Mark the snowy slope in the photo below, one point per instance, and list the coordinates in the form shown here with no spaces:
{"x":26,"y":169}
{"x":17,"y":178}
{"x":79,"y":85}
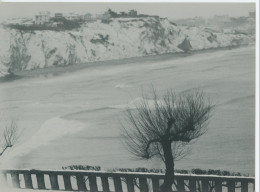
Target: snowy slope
{"x":121,"y":38}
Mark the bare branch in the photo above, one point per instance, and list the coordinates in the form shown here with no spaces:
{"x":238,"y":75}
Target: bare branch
{"x":178,"y":118}
{"x":9,"y":136}
{"x":166,"y":126}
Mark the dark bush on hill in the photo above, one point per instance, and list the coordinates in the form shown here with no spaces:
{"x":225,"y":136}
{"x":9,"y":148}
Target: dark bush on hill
{"x":62,"y":25}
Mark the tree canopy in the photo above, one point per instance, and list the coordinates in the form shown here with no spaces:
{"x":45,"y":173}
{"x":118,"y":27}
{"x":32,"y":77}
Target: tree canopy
{"x":164,"y":127}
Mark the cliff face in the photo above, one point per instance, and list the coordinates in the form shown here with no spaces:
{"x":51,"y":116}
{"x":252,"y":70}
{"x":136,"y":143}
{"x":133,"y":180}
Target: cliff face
{"x":121,"y":38}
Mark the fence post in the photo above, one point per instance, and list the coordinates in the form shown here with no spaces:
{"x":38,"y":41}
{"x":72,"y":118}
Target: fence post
{"x":93,"y":183}
{"x":117,"y":184}
{"x":156,"y":186}
{"x":143,"y":184}
{"x":218,"y":185}
{"x":28,"y":180}
{"x":205,"y":185}
{"x":192,"y":185}
{"x":67,"y":182}
{"x":180,"y":185}
{"x":15,"y":180}
{"x":54,"y":181}
{"x":81,"y":183}
{"x":105,"y":184}
{"x":40,"y":181}
{"x":130,"y":184}
{"x":244,"y":186}
{"x":231,"y":186}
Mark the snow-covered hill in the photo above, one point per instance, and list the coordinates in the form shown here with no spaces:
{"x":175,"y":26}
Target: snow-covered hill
{"x":96,"y":41}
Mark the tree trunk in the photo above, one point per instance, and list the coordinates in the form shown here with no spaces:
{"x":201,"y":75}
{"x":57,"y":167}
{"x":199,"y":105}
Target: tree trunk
{"x":169,"y":164}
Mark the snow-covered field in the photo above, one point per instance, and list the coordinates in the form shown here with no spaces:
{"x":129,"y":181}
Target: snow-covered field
{"x":74,"y":118}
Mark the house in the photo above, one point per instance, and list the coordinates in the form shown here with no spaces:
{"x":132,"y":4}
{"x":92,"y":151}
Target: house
{"x":42,"y":18}
{"x":74,"y":17}
{"x":58,"y":15}
{"x":88,"y":17}
{"x":71,"y":17}
{"x":132,"y":13}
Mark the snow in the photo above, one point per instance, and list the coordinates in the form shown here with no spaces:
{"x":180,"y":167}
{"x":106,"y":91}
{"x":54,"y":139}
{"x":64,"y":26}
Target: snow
{"x":52,"y":129}
{"x":127,"y":37}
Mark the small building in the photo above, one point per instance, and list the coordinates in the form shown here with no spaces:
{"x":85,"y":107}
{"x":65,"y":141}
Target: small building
{"x":88,"y":17}
{"x":74,"y":17}
{"x":58,"y":15}
{"x":71,"y":17}
{"x":132,"y":13}
{"x":42,"y":18}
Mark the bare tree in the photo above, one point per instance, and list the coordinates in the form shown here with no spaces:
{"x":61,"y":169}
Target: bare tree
{"x":9,"y":136}
{"x":165,"y":127}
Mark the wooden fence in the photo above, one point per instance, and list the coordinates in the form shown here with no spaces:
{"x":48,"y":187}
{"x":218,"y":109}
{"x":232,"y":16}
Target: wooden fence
{"x":95,"y":181}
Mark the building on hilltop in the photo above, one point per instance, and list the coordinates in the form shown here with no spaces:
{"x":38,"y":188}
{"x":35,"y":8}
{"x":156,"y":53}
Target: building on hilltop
{"x":42,"y":18}
{"x":132,"y":13}
{"x":58,"y":15}
{"x":88,"y":17}
{"x":74,"y":17}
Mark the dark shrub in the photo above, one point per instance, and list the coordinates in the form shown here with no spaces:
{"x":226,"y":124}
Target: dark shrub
{"x":199,"y":171}
{"x":225,"y":173}
{"x":82,"y":167}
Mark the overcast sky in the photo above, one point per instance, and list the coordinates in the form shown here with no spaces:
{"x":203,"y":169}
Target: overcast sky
{"x":170,"y":10}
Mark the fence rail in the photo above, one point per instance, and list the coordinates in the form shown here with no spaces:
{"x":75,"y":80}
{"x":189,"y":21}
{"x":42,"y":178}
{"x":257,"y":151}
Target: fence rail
{"x":95,"y":181}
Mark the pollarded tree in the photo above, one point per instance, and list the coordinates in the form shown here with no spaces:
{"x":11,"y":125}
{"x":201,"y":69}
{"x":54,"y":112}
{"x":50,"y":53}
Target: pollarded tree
{"x":165,"y":127}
